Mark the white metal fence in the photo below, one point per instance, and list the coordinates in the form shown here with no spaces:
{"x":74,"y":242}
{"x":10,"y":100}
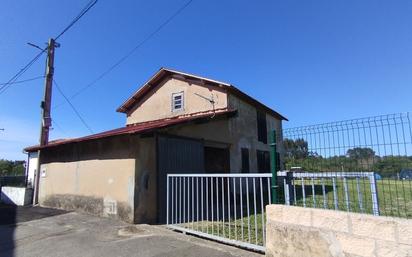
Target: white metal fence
{"x":224,"y":207}
{"x":231,"y":207}
{"x":348,"y":191}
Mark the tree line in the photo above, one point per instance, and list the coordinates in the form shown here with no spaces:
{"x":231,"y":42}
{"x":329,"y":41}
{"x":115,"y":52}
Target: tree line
{"x":12,"y":168}
{"x":297,"y":154}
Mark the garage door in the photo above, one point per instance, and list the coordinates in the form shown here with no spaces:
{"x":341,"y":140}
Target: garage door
{"x":176,"y":155}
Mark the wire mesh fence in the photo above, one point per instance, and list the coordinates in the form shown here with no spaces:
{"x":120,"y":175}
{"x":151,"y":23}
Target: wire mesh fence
{"x":380,"y":145}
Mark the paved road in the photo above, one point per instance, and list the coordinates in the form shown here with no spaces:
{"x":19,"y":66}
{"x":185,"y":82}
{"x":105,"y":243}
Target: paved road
{"x":74,"y":234}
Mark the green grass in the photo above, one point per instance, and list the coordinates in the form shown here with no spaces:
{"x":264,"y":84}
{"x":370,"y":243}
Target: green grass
{"x":394,"y":196}
{"x":252,"y":232}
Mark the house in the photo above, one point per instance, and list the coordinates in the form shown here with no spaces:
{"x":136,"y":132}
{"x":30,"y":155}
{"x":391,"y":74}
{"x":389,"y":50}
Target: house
{"x":175,"y":123}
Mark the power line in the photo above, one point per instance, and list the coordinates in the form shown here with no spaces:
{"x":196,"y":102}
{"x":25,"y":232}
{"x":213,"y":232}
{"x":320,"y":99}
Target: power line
{"x":122,"y":59}
{"x":72,"y":106}
{"x":6,"y":85}
{"x":18,"y":74}
{"x":59,"y":127}
{"x":23,"y":81}
{"x":78,"y":17}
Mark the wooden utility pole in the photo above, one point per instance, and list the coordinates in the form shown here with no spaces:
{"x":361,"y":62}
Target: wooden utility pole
{"x":46,"y":112}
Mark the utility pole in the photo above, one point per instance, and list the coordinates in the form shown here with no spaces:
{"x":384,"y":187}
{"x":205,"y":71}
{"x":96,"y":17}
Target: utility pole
{"x":46,"y":112}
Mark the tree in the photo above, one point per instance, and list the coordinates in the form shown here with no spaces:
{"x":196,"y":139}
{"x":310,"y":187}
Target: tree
{"x":8,"y":168}
{"x":296,"y":149}
{"x":359,"y":153}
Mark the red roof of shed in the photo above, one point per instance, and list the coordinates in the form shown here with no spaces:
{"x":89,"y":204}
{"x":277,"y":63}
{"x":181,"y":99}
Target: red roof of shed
{"x":135,"y":128}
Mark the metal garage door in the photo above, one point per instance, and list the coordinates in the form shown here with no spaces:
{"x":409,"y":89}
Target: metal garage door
{"x":176,"y":155}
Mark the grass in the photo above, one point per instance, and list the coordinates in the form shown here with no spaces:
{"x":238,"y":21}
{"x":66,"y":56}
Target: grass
{"x":251,"y":231}
{"x":394,"y":196}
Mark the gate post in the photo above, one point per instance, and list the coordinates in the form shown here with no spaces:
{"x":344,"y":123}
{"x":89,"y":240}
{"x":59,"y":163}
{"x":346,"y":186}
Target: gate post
{"x":273,"y":162}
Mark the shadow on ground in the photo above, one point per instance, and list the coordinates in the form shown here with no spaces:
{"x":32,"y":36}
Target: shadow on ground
{"x":10,"y":215}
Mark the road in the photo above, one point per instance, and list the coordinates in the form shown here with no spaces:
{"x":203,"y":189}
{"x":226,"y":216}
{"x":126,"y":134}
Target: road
{"x":47,"y":232}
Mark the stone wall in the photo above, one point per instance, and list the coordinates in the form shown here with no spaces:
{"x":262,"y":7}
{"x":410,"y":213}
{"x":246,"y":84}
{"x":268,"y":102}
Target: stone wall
{"x":296,"y":231}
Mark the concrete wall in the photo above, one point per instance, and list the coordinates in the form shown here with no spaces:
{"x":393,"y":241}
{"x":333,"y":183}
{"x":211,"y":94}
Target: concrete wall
{"x":145,"y":198}
{"x":243,"y":131}
{"x":16,"y":195}
{"x":158,"y":103}
{"x":31,"y":168}
{"x":97,"y":177}
{"x":296,"y":231}
{"x":236,"y":132}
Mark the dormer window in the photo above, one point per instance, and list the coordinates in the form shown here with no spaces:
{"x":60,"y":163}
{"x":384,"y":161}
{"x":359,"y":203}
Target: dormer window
{"x":177,"y":102}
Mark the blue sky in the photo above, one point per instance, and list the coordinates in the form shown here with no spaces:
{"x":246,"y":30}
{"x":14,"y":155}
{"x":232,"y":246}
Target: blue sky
{"x":312,"y":61}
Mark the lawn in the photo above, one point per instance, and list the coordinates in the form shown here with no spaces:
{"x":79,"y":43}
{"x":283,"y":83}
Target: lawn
{"x":394,"y":196}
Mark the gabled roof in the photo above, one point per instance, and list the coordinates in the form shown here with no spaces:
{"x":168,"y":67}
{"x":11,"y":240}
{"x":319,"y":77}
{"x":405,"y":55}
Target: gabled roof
{"x":137,"y":128}
{"x":164,"y":73}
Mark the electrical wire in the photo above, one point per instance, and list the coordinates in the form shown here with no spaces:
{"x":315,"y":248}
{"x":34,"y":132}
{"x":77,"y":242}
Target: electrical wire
{"x":128,"y":54}
{"x":26,"y":80}
{"x":78,"y":17}
{"x":6,"y":85}
{"x":72,"y":106}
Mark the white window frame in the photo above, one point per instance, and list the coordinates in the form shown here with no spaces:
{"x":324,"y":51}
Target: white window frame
{"x":181,"y":104}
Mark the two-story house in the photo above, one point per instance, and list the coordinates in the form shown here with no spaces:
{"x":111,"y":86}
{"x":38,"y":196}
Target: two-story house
{"x":176,"y":123}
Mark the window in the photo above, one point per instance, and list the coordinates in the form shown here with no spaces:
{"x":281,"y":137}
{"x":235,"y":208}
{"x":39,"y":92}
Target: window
{"x":263,"y":161}
{"x":177,"y":102}
{"x":261,"y":126}
{"x":245,"y":160}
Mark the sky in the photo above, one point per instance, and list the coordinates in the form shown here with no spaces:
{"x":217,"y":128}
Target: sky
{"x":312,"y":61}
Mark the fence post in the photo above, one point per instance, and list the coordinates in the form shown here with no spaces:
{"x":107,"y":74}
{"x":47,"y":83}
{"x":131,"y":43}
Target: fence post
{"x":273,"y":162}
{"x":374,"y":193}
{"x":289,"y":195}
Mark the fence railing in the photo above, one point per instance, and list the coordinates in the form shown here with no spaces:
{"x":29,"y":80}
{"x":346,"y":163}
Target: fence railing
{"x":347,"y":191}
{"x":381,"y":145}
{"x":224,"y":207}
{"x":19,"y":181}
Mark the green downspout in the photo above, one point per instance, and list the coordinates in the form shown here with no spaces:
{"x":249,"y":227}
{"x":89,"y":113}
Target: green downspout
{"x":273,"y":166}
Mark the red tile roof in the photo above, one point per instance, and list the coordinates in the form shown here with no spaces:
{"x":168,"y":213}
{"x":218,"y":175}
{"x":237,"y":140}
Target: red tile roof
{"x":137,"y":128}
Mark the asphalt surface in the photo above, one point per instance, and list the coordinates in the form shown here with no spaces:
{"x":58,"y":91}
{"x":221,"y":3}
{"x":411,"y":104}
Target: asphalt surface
{"x":10,"y":214}
{"x":48,"y":232}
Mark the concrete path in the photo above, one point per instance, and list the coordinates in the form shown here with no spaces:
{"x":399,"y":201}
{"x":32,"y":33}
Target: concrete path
{"x":73,"y":234}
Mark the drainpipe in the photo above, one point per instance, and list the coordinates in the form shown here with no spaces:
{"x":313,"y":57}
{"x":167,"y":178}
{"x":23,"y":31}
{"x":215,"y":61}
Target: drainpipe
{"x":273,"y":165}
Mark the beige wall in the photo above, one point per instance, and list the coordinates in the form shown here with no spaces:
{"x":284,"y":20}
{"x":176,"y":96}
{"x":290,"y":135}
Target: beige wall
{"x":236,"y":132}
{"x":145,"y":202}
{"x":243,"y":130}
{"x":296,"y":231}
{"x":95,"y":177}
{"x":157,"y":104}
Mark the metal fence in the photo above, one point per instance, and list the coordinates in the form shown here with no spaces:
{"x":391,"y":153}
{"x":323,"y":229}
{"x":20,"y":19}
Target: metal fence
{"x":226,"y":207}
{"x":19,"y":181}
{"x":348,"y":191}
{"x":380,"y":145}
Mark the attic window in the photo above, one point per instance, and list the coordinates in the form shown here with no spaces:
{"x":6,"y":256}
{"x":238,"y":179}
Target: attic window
{"x":177,"y":102}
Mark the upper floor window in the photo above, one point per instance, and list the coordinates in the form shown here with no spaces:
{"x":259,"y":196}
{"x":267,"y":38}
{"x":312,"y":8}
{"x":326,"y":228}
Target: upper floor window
{"x":177,"y":102}
{"x":261,"y":127}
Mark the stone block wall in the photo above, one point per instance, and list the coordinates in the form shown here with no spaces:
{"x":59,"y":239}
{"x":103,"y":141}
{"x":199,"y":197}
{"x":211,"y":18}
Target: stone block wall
{"x":296,"y":231}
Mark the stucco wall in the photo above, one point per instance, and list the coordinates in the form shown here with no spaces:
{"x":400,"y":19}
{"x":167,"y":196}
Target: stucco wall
{"x":145,"y":201}
{"x":296,"y":231}
{"x":96,"y":177}
{"x":243,"y":130}
{"x":157,"y":104}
